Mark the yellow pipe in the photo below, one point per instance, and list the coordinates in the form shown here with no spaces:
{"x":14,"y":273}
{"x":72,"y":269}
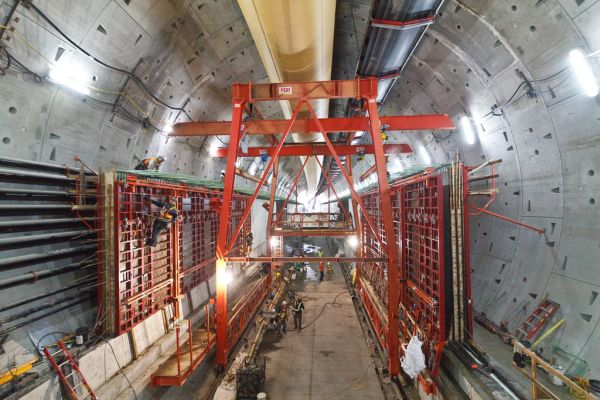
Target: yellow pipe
{"x":14,"y":372}
{"x":549,"y":331}
{"x":295,"y":41}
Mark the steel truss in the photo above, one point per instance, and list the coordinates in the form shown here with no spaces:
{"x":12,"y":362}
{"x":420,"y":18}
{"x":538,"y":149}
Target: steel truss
{"x":300,"y":94}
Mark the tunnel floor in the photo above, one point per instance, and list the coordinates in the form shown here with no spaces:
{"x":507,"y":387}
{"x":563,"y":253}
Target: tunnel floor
{"x":329,"y":357}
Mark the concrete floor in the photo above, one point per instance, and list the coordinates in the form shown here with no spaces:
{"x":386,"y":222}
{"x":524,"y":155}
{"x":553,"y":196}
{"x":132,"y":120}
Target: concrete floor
{"x":329,"y":357}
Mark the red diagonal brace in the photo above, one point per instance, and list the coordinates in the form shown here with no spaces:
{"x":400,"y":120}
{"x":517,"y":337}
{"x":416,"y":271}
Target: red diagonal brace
{"x":345,"y":173}
{"x":264,"y":175}
{"x":317,"y":149}
{"x":296,"y":179}
{"x":330,"y":184}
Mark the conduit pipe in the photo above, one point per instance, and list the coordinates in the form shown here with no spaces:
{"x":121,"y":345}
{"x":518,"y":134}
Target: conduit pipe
{"x":31,"y":277}
{"x":295,"y":42}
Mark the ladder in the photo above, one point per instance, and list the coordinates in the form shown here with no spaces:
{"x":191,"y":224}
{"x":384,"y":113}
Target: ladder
{"x":277,"y":249}
{"x":536,"y":320}
{"x":73,"y":382}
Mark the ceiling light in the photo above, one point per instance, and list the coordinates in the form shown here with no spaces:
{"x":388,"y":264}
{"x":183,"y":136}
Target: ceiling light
{"x":70,"y":76}
{"x":583,"y":72}
{"x":425,"y":155}
{"x":274,"y":241}
{"x":467,"y":128}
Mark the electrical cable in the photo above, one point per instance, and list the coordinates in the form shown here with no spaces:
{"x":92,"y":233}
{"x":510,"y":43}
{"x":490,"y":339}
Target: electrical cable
{"x":121,"y":369}
{"x":333,"y":304}
{"x":134,"y":77}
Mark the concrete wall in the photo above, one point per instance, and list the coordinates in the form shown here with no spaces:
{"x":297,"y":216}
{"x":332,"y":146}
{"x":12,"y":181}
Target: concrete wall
{"x":549,"y":175}
{"x":189,"y":55}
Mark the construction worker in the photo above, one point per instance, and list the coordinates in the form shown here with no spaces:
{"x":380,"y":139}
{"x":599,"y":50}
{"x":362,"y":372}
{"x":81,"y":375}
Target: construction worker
{"x":282,"y":318}
{"x":329,"y":271}
{"x":297,"y":308}
{"x":322,"y":271}
{"x":249,"y":239}
{"x":168,"y":215}
{"x":150,"y":163}
{"x":222,"y":175}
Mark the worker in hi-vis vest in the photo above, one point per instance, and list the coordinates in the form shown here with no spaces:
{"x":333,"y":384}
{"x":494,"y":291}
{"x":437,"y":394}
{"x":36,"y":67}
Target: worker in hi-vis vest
{"x":168,"y":215}
{"x":150,"y":163}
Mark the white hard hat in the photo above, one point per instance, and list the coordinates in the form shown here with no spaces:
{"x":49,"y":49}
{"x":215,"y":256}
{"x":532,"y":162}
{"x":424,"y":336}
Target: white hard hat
{"x":284,"y":303}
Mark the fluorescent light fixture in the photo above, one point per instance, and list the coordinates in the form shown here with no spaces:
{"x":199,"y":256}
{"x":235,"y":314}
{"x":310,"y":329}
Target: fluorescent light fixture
{"x":583,"y":72}
{"x":71,"y":77}
{"x":168,"y":129}
{"x":467,"y":128}
{"x":359,"y":134}
{"x":274,"y":241}
{"x":425,"y":155}
{"x":353,"y":241}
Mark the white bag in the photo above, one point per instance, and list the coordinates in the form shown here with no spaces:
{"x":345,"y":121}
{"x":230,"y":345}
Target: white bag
{"x":413,"y":361}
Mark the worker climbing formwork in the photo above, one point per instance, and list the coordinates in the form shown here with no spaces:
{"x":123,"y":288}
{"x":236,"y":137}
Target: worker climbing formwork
{"x":168,"y":214}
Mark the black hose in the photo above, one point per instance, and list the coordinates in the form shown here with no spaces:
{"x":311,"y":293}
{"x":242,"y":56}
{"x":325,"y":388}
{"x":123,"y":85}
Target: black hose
{"x":30,"y":4}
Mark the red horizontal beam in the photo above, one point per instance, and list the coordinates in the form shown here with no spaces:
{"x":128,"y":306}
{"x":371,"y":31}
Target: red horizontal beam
{"x":341,"y":89}
{"x":313,"y":232}
{"x":293,"y":150}
{"x":401,"y":25}
{"x":306,"y":259}
{"x":308,"y":126}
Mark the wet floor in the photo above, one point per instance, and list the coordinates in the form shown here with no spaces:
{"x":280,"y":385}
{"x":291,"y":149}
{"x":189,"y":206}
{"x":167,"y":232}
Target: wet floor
{"x":329,"y":357}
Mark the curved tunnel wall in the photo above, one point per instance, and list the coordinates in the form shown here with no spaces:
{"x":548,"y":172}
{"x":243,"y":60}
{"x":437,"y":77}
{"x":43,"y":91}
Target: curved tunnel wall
{"x":550,"y":172}
{"x":466,"y":63}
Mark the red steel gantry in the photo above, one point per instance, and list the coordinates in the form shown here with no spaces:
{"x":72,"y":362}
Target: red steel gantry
{"x":301,"y":93}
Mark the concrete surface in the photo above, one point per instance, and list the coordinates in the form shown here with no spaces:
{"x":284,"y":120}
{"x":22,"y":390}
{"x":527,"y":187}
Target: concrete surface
{"x":329,"y":357}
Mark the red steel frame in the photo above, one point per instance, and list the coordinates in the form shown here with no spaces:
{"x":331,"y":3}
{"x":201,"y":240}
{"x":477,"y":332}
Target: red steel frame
{"x":148,"y":279}
{"x":302,"y":92}
{"x":299,"y":93}
{"x":423,"y":294}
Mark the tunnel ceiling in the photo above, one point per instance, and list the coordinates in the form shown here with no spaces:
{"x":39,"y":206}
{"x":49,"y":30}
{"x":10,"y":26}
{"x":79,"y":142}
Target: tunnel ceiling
{"x":476,"y":56}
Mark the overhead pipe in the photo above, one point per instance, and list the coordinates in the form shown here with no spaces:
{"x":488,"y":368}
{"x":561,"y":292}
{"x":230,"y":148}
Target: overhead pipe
{"x":38,"y":258}
{"x":32,"y":276}
{"x":47,"y":305}
{"x":33,"y":240}
{"x":39,"y":224}
{"x":46,"y":315}
{"x":295,"y":42}
{"x":19,"y":303}
{"x":38,"y":166}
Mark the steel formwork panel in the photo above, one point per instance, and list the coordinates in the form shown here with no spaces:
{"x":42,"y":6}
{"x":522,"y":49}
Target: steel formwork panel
{"x":148,"y":279}
{"x":418,"y":217}
{"x":423,"y":295}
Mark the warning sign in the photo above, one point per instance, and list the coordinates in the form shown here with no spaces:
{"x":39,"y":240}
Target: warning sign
{"x":285,"y":90}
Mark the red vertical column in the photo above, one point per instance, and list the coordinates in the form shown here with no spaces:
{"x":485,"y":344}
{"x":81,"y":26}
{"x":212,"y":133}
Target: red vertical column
{"x":232,"y":151}
{"x":390,"y":237}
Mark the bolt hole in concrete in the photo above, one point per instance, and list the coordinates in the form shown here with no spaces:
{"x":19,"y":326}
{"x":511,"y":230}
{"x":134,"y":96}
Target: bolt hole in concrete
{"x":6,"y":140}
{"x":592,"y":201}
{"x":532,"y":28}
{"x":591,"y":172}
{"x":12,"y":110}
{"x":514,"y":8}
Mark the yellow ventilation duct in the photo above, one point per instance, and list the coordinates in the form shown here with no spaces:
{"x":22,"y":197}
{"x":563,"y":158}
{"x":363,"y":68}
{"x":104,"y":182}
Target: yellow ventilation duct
{"x":295,"y":42}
